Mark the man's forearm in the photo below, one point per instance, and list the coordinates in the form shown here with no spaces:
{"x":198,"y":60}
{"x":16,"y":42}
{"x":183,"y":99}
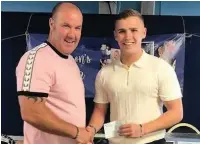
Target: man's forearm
{"x":166,"y":120}
{"x":97,"y":119}
{"x":47,"y":121}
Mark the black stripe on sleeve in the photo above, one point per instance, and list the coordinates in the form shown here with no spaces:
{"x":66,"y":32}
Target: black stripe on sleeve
{"x":33,"y":94}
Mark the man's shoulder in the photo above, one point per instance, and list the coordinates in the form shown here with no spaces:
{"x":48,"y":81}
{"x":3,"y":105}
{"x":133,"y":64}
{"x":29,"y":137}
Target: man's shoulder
{"x":38,"y":50}
{"x":153,"y":59}
{"x":34,"y":54}
{"x":164,"y":64}
{"x":106,"y":70}
{"x":35,"y":61}
{"x":108,"y":67}
{"x":164,"y":68}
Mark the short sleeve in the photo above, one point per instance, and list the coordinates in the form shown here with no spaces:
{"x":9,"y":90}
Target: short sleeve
{"x":101,"y":95}
{"x":34,"y":75}
{"x":169,"y":87}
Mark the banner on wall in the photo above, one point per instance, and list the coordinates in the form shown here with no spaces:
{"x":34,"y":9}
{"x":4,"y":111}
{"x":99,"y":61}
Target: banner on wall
{"x":93,"y":52}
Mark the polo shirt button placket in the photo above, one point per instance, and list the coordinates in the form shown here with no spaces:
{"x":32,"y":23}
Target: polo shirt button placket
{"x":128,"y":70}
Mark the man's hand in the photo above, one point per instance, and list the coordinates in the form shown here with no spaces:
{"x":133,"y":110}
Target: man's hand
{"x":92,"y":132}
{"x":130,"y":130}
{"x":83,"y":136}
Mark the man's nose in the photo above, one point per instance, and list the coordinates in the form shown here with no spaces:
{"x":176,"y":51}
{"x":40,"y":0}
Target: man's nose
{"x":128,"y":35}
{"x":71,"y":33}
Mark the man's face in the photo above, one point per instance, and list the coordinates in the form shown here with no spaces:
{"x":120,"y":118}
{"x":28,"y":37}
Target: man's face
{"x":65,"y":30}
{"x":129,"y":33}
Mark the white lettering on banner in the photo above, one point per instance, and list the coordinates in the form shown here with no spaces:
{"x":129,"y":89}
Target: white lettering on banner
{"x":82,"y":75}
{"x":83,"y":59}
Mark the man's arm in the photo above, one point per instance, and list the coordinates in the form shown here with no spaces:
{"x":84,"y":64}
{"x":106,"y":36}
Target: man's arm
{"x":170,"y":93}
{"x":35,"y":78}
{"x":173,"y":115}
{"x":98,"y":116}
{"x":101,"y":105}
{"x":35,"y":112}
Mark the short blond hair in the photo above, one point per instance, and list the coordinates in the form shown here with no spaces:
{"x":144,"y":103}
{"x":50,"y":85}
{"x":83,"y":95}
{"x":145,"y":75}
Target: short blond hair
{"x":128,"y":13}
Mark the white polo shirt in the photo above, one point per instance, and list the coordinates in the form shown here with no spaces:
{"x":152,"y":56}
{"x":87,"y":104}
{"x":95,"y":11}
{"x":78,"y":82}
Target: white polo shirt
{"x":136,"y":93}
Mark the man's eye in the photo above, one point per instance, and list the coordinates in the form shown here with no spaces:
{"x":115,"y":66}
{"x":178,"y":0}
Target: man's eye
{"x":66,"y":26}
{"x":121,"y":31}
{"x":133,"y":30}
{"x":78,"y":28}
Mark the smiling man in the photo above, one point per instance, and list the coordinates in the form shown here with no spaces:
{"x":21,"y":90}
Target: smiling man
{"x":50,"y":88}
{"x":136,"y":86}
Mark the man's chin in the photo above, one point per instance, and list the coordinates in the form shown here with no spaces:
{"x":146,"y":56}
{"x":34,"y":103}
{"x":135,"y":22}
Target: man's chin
{"x":71,"y":50}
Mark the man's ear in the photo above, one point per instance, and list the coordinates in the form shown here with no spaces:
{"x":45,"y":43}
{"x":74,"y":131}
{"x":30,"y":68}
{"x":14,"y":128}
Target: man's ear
{"x":144,"y":33}
{"x":115,"y":35}
{"x":51,"y":22}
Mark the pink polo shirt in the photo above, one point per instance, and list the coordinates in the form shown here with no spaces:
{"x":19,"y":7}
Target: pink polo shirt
{"x":44,"y":71}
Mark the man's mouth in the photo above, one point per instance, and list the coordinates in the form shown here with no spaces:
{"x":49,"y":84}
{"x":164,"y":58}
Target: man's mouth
{"x":69,"y":41}
{"x":128,"y":43}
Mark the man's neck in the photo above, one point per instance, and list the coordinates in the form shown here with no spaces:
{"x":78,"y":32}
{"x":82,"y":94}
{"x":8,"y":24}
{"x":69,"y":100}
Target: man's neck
{"x":129,"y":59}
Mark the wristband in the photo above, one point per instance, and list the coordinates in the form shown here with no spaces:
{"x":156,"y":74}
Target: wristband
{"x":95,"y":130}
{"x":77,"y":132}
{"x":141,"y":131}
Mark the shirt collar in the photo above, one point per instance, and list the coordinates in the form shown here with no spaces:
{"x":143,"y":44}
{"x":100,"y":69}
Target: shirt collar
{"x":142,"y":60}
{"x":56,"y":51}
{"x":139,"y":63}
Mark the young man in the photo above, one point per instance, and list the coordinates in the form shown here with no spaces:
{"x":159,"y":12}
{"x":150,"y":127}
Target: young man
{"x":136,"y":86}
{"x":49,"y":85}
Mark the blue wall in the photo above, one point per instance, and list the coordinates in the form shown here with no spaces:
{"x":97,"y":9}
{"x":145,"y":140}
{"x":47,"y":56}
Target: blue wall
{"x":128,"y":4}
{"x":179,"y":8}
{"x":45,"y":6}
{"x":183,"y":8}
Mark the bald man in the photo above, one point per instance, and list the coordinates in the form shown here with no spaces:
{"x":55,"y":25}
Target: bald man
{"x":49,"y":85}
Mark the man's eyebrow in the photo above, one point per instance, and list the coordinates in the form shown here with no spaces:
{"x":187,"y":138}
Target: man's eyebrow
{"x":122,"y":29}
{"x":133,"y":28}
{"x":66,"y":24}
{"x":80,"y":26}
